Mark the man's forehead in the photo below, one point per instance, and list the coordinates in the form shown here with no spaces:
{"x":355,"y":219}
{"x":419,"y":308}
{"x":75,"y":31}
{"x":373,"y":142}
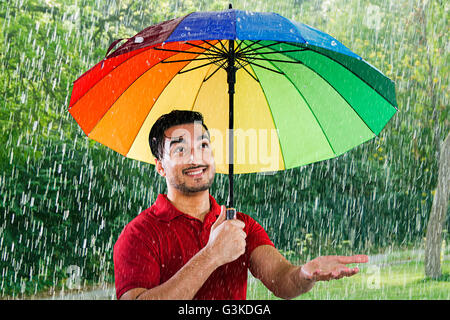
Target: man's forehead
{"x":185,"y":132}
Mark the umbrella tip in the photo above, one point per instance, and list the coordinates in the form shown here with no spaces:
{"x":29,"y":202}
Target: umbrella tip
{"x":230,"y":6}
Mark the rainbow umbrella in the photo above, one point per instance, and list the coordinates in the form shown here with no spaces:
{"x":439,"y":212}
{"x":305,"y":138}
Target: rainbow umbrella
{"x":294,"y":93}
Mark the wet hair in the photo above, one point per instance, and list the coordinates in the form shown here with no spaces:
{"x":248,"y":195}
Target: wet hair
{"x":166,"y":121}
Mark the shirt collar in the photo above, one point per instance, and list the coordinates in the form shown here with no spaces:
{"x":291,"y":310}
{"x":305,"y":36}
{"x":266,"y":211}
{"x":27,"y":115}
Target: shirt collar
{"x":164,"y":210}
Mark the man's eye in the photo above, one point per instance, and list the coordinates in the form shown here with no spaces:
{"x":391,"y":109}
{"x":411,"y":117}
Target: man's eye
{"x":205,"y":145}
{"x":179,"y":150}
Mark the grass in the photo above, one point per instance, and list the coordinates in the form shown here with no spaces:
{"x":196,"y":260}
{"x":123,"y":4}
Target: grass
{"x":389,"y":279}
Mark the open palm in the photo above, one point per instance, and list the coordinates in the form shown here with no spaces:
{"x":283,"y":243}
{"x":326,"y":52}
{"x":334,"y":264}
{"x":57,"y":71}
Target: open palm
{"x":331,"y":267}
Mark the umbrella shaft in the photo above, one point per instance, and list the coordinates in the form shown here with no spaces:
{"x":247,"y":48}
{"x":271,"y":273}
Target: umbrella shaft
{"x":231,"y":79}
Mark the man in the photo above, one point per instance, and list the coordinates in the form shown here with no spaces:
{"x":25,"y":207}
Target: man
{"x":183,"y":247}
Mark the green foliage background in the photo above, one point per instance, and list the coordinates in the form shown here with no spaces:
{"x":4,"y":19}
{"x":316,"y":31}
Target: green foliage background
{"x":64,"y":199}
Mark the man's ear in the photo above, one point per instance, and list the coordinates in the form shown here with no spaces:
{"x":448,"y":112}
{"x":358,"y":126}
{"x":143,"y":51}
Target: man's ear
{"x":159,"y":168}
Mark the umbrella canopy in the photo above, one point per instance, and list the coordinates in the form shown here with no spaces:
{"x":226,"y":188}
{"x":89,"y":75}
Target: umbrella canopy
{"x":295,"y":94}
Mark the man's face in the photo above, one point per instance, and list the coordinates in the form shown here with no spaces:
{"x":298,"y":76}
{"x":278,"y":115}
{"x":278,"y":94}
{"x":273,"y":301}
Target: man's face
{"x":187,"y":161}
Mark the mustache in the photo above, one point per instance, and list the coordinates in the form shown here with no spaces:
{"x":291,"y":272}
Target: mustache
{"x":195,"y":167}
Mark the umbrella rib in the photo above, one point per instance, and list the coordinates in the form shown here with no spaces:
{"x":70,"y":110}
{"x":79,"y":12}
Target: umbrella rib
{"x":203,"y":65}
{"x":218,"y":68}
{"x":258,"y":65}
{"x":185,"y":60}
{"x":225,"y":49}
{"x":274,"y":52}
{"x":275,"y":60}
{"x":243,"y":67}
{"x":199,"y":88}
{"x":247,"y":48}
{"x":189,"y":52}
{"x":207,"y":49}
{"x":196,"y":45}
{"x":255,"y":52}
{"x":262,"y":47}
{"x":213,"y":45}
{"x":238,"y":47}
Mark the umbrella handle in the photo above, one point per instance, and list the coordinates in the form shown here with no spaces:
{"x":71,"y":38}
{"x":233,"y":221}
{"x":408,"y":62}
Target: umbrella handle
{"x":231,"y":213}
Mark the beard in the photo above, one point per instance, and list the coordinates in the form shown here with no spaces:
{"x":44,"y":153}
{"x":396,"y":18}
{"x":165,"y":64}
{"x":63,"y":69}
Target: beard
{"x":186,"y":189}
{"x":181,"y":185}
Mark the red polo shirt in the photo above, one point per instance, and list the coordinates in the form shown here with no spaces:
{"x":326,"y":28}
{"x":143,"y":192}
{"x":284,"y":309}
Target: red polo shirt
{"x":161,"y":239}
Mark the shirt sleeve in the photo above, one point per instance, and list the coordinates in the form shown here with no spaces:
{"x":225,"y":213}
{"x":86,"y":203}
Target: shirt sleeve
{"x":256,"y":235}
{"x":136,"y":261}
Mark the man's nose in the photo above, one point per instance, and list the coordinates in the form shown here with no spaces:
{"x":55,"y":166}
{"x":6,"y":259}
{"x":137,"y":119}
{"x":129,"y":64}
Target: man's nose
{"x":195,"y":156}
